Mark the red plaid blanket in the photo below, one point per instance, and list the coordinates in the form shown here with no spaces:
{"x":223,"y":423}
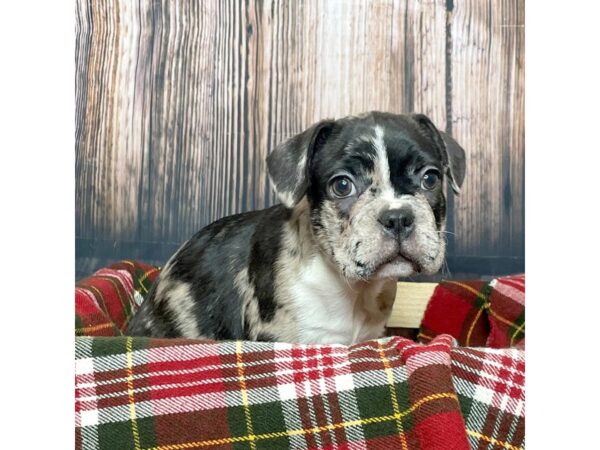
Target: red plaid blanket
{"x":106,"y":301}
{"x":477,"y":313}
{"x":142,"y":393}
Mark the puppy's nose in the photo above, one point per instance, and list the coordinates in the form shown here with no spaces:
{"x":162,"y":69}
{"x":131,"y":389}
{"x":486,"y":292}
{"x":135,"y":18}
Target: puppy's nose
{"x":398,"y":223}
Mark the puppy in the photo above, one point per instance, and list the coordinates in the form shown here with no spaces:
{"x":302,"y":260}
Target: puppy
{"x":362,"y":205}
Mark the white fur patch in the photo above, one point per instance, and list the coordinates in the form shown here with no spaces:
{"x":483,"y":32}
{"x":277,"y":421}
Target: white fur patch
{"x":181,"y":305}
{"x":285,"y":197}
{"x":331,"y":310}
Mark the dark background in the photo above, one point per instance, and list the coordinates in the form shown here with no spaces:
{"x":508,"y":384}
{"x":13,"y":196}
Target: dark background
{"x":179,"y":102}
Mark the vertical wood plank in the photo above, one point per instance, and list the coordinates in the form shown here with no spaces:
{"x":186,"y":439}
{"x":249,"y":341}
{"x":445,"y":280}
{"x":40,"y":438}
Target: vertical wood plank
{"x":488,"y":114}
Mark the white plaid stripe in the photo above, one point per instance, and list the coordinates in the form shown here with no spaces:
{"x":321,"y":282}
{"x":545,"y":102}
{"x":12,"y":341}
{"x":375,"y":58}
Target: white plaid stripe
{"x":313,"y":395}
{"x":115,"y":362}
{"x":505,"y":400}
{"x":287,"y":392}
{"x":291,"y":407}
{"x":89,"y":438}
{"x":87,"y":418}
{"x":310,"y":389}
{"x":476,"y":418}
{"x":490,"y":378}
{"x":350,"y":412}
{"x":291,"y":417}
{"x":327,"y":386}
{"x":513,"y":428}
{"x":188,"y":403}
{"x":256,"y":396}
{"x":83,"y":349}
{"x":84,"y":366}
{"x":464,"y":387}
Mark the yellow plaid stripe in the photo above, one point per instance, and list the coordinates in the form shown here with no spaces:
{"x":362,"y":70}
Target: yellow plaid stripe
{"x":500,"y":318}
{"x":468,"y":288}
{"x":134,"y":426}
{"x":143,"y":278}
{"x":485,"y":306}
{"x":390,"y":379}
{"x":304,"y":431}
{"x":514,"y":335}
{"x":240,"y":365}
{"x":99,"y":297}
{"x":116,"y":285}
{"x":423,"y":335}
{"x":94,"y":327}
{"x":472,"y":327}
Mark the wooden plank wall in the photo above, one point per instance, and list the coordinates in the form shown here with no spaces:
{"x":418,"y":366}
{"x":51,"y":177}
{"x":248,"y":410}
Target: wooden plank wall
{"x":178,"y":103}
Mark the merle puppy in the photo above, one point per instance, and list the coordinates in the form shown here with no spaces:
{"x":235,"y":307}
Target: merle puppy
{"x":362,"y":205}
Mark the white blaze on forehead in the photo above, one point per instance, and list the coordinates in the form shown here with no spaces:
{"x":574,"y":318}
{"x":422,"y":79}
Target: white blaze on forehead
{"x":382,"y":165}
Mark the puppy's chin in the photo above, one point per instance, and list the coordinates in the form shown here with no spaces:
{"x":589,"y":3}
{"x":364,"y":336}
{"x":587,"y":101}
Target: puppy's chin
{"x":398,"y":267}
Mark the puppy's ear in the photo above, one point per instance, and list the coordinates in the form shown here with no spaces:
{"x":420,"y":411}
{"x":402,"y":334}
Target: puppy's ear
{"x":288,"y":164}
{"x":453,"y":155}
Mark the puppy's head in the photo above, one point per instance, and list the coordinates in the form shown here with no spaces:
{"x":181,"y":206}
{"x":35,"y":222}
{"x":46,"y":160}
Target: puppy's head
{"x":374,"y":184}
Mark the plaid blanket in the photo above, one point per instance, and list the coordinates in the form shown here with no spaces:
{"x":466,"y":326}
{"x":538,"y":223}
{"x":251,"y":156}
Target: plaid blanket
{"x":142,"y":393}
{"x":106,"y":301}
{"x":477,"y":313}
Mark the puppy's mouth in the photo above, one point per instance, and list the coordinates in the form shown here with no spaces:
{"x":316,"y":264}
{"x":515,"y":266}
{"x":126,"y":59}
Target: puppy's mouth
{"x":397,"y":265}
{"x":400,"y":258}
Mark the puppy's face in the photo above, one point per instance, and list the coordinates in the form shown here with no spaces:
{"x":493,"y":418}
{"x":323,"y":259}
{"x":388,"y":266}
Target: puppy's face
{"x":374,"y":184}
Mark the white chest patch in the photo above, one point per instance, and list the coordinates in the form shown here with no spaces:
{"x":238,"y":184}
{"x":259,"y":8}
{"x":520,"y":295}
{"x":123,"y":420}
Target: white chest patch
{"x":331,"y":311}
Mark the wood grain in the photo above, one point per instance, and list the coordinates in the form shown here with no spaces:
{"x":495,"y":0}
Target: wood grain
{"x":179,"y":102}
{"x":488,"y":119}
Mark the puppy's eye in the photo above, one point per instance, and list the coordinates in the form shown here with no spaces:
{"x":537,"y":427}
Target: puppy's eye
{"x":342,"y":187}
{"x":430,"y":180}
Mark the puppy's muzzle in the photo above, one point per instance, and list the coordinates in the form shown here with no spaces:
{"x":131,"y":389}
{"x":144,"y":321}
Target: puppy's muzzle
{"x":398,"y":223}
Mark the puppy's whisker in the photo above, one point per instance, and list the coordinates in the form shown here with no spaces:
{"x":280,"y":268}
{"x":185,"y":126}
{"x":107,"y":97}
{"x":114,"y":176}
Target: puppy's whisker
{"x":445,"y":269}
